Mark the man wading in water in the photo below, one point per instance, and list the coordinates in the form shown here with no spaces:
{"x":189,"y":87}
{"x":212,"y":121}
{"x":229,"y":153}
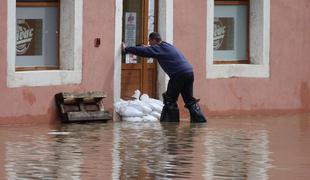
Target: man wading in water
{"x":181,"y":76}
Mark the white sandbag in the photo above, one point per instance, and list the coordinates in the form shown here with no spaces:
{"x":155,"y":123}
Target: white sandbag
{"x":155,"y":104}
{"x":141,"y":106}
{"x":148,"y":106}
{"x":146,"y":109}
{"x":149,"y":118}
{"x":159,"y":102}
{"x":155,"y":114}
{"x":135,"y":105}
{"x":118,"y":105}
{"x":136,"y":94}
{"x":129,"y":111}
{"x":132,"y":119}
{"x":147,"y":103}
{"x":144,"y":97}
{"x":156,"y":107}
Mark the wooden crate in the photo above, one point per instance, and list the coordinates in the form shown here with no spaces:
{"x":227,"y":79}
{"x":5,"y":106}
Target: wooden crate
{"x":80,"y":107}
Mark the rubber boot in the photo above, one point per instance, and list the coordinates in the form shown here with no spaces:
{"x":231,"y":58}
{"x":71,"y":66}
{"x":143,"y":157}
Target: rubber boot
{"x":170,"y":111}
{"x":196,"y":116}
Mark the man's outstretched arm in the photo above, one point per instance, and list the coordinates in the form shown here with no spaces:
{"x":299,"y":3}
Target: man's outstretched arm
{"x":144,"y":51}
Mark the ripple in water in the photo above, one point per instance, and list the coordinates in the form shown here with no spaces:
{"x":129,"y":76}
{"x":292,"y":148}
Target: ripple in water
{"x":236,"y":154}
{"x":136,"y":151}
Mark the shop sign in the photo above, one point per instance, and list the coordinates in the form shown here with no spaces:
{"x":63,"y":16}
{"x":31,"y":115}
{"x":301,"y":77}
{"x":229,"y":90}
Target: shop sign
{"x":28,"y":37}
{"x":223,"y":33}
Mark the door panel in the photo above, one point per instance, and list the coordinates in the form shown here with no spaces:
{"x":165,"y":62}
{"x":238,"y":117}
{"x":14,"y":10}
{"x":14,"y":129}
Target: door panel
{"x":129,"y":82}
{"x":139,"y":19}
{"x":151,"y":80}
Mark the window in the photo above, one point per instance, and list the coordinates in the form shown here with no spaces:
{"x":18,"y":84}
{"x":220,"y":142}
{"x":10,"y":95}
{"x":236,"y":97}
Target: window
{"x":66,"y":66}
{"x":230,"y":39}
{"x":37,"y":42}
{"x":244,"y":54}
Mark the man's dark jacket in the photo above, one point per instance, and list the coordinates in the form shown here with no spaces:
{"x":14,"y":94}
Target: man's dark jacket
{"x":170,"y":58}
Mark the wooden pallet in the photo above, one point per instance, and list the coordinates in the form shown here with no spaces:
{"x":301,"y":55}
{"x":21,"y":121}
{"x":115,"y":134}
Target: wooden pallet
{"x":81,"y":107}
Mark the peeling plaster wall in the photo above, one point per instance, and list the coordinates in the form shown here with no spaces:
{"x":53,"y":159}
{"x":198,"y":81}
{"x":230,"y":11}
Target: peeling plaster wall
{"x":36,"y":104}
{"x":287,"y":89}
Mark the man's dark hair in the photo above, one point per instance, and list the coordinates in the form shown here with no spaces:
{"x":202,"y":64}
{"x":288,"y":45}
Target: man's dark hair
{"x":155,"y":36}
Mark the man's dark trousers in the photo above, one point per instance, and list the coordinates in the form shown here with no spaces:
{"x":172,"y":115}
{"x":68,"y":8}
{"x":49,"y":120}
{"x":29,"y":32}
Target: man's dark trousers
{"x":181,"y":84}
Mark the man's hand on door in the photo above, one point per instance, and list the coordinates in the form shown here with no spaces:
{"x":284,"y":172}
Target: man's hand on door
{"x":123,"y":47}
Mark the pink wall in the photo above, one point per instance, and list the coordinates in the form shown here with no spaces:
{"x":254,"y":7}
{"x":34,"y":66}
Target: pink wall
{"x":36,"y":104}
{"x":287,"y":89}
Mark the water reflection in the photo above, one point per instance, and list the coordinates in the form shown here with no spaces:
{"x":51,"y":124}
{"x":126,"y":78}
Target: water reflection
{"x":190,"y":151}
{"x":67,"y":152}
{"x":237,"y":154}
{"x":137,"y":150}
{"x":154,"y":151}
{"x":122,"y":150}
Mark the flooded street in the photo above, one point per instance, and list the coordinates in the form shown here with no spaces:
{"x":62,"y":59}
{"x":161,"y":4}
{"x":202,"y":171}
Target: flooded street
{"x":260,"y":147}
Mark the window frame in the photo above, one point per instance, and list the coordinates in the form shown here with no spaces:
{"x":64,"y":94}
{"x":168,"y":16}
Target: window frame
{"x":237,"y":2}
{"x":70,"y":49}
{"x":41,"y":4}
{"x":259,"y":66}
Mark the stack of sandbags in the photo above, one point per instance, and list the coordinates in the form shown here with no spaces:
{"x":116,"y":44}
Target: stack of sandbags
{"x":142,"y":108}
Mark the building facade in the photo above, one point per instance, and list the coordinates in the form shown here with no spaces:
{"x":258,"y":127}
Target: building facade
{"x":249,"y":56}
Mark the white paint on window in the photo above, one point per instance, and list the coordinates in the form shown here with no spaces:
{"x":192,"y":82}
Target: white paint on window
{"x":70,"y":72}
{"x":259,"y":44}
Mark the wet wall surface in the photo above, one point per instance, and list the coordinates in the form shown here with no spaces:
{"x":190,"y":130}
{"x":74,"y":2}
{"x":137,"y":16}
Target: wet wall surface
{"x":256,"y":147}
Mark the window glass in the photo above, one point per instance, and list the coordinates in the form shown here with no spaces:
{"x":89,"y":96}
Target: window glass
{"x":230,"y":32}
{"x":36,"y":36}
{"x":151,"y":22}
{"x":132,"y":28}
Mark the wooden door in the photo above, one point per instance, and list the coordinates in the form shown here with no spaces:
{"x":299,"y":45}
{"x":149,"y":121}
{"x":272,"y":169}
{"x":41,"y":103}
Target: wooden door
{"x":139,"y":19}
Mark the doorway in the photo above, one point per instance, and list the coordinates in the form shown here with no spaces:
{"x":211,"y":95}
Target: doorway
{"x":139,"y":20}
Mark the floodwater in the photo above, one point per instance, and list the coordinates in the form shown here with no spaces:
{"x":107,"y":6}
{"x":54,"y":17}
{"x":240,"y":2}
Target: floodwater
{"x":260,"y":147}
